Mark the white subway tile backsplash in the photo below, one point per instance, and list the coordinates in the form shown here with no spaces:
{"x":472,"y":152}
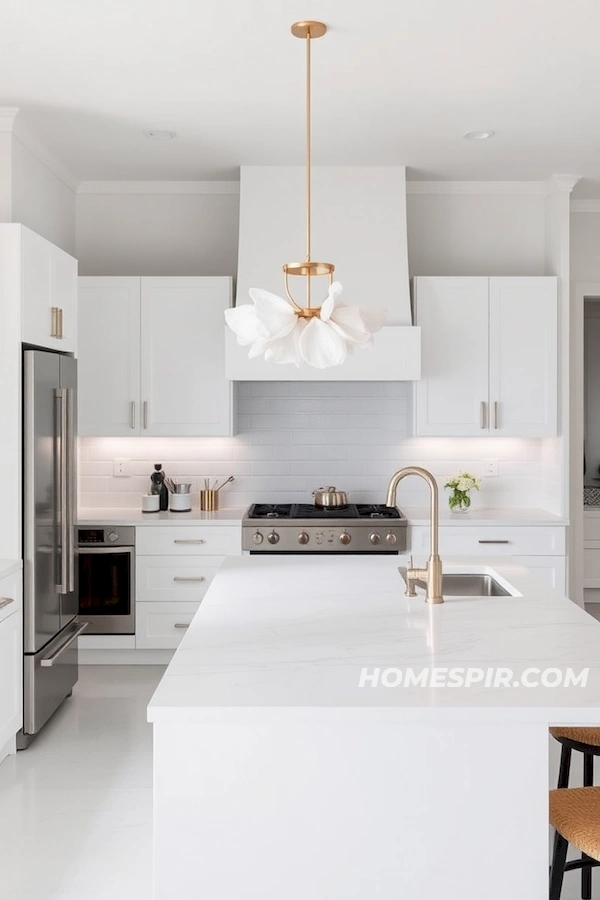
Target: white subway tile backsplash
{"x":295,"y":436}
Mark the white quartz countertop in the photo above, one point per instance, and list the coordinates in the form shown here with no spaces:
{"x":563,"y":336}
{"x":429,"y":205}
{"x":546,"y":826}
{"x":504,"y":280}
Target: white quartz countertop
{"x":233,"y":516}
{"x":8,"y":566}
{"x":115,"y":516}
{"x":491,"y":517}
{"x":279,"y":636}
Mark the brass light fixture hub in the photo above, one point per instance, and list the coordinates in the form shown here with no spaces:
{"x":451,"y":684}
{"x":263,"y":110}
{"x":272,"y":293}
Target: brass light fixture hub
{"x":309,"y":29}
{"x":308,"y":313}
{"x":309,"y":268}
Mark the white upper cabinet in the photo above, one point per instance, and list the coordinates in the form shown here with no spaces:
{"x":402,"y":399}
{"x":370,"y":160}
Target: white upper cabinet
{"x":454,"y":318}
{"x":184,"y":389}
{"x":490,"y":363}
{"x":523,"y":356}
{"x":109,"y":356}
{"x":48,"y":294}
{"x":152,"y":357}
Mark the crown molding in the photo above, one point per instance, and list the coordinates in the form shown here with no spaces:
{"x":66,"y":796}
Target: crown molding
{"x":159,"y":187}
{"x":564,"y":183}
{"x":528,"y":188}
{"x":45,"y":156}
{"x":585,"y":206}
{"x":8,"y":114}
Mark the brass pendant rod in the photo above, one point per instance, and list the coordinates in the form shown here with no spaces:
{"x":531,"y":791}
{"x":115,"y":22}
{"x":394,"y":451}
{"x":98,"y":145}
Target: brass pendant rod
{"x":308,"y":160}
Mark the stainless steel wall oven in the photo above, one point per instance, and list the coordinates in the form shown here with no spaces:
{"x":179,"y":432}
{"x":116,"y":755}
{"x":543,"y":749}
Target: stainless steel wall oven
{"x":107,"y":579}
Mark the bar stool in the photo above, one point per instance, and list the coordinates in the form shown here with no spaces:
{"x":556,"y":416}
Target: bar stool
{"x":586,"y":741}
{"x":575,"y":814}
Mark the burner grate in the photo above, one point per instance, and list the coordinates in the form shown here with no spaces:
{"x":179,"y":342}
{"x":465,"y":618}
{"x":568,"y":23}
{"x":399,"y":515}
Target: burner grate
{"x":310,"y":511}
{"x":377,"y":511}
{"x":270,"y":511}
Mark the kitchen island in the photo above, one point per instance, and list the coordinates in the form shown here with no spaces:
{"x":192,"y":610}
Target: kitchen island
{"x":278,"y":776}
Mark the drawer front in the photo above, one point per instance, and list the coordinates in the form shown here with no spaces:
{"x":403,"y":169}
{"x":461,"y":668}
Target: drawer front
{"x":162,"y":626}
{"x":188,"y":541}
{"x":591,"y":527}
{"x":591,"y":564}
{"x":160,"y":578}
{"x":551,"y":570}
{"x":487,"y":541}
{"x":10,"y":595}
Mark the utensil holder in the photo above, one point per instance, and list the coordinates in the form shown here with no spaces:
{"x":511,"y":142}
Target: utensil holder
{"x":209,"y":500}
{"x":180,"y":502}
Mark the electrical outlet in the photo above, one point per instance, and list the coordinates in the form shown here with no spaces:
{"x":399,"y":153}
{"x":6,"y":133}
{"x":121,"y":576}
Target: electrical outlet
{"x":121,"y":468}
{"x":490,"y":468}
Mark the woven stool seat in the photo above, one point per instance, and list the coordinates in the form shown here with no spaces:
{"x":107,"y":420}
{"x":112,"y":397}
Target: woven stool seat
{"x":575,"y":813}
{"x":589,"y":736}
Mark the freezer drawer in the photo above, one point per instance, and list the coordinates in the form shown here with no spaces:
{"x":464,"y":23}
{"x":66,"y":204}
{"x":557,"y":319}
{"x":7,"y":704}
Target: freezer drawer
{"x":49,"y":676}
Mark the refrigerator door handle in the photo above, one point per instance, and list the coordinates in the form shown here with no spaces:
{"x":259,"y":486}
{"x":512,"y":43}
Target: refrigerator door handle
{"x":71,"y":489}
{"x":50,"y":660}
{"x":63,"y":490}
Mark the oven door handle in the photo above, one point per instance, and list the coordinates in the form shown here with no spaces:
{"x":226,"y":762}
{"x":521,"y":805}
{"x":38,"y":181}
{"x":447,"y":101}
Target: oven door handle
{"x":50,"y":660}
{"x":83,"y":549}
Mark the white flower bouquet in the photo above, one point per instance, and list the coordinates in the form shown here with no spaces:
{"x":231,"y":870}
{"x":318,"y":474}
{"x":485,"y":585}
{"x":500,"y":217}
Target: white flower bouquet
{"x":461,"y":484}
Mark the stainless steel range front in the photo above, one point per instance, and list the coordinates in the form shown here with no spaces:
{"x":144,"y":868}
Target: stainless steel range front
{"x":304,"y":528}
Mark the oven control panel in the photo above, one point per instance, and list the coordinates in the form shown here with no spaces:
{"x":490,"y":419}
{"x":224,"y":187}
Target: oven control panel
{"x":266,"y":537}
{"x":107,"y":536}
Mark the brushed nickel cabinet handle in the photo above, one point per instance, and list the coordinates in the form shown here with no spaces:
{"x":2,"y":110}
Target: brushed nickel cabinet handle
{"x":133,"y":413}
{"x":495,"y":413}
{"x":5,"y":601}
{"x":184,"y":579}
{"x":145,"y":413}
{"x":482,"y":414}
{"x":188,"y":541}
{"x":60,"y":323}
{"x":181,"y":625}
{"x":494,"y":542}
{"x":54,"y":321}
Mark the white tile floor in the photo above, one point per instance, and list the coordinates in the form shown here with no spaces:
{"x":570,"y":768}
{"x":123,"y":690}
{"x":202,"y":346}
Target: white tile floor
{"x":76,"y":807}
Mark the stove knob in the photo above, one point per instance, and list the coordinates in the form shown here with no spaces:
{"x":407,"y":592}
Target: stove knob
{"x":303,"y":538}
{"x":113,"y":536}
{"x":375,"y":538}
{"x":345,"y":538}
{"x":273,"y":537}
{"x":390,"y":538}
{"x":257,"y":537}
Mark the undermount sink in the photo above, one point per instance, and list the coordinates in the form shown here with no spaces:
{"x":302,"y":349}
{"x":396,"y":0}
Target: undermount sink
{"x":459,"y":585}
{"x":468,"y":584}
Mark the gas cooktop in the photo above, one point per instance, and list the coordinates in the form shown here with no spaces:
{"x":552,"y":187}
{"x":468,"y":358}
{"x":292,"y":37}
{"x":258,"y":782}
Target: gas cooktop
{"x":305,"y":528}
{"x":309,"y":511}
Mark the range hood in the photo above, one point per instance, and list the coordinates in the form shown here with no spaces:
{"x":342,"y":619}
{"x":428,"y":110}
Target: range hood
{"x":358,"y":222}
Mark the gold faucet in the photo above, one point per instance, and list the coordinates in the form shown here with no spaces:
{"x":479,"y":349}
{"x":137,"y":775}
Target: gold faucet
{"x":431,"y":576}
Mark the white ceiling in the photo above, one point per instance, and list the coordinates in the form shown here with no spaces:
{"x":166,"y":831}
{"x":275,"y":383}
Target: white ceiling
{"x":395,"y":82}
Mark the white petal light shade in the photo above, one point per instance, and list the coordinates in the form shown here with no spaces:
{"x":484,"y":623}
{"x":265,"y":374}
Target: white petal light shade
{"x":273,"y":328}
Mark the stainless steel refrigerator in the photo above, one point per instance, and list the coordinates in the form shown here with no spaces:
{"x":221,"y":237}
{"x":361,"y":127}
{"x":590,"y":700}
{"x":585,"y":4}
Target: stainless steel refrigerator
{"x":50,"y":607}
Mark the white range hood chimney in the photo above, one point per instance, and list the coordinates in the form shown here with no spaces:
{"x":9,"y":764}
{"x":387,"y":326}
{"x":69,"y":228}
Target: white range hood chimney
{"x":358,"y":223}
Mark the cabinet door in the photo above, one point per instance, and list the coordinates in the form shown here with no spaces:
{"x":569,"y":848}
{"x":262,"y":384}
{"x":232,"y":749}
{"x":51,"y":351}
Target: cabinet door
{"x":63,"y":290}
{"x":549,"y":569}
{"x":48,"y":294}
{"x":184,"y":388}
{"x":11,"y":676}
{"x":109,"y":356}
{"x":452,"y":395}
{"x":523,"y":356}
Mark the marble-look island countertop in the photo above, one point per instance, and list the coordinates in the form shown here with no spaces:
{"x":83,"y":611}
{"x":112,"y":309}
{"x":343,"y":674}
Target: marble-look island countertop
{"x":280,"y":636}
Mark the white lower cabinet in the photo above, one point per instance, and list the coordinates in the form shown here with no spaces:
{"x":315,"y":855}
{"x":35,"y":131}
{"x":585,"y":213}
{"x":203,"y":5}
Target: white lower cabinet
{"x":11,"y":659}
{"x":540,"y":548}
{"x":162,"y":625}
{"x":174,"y":569}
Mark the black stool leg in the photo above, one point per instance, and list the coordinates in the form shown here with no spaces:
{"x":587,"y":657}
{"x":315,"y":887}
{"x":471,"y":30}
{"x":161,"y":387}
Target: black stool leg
{"x":565,"y":767}
{"x":557,"y":871}
{"x":586,"y":871}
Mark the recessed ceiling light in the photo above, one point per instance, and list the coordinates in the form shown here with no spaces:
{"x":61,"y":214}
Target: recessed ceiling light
{"x":159,"y":135}
{"x":479,"y":135}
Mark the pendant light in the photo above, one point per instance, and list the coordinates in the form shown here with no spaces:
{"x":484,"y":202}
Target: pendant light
{"x":284,"y":330}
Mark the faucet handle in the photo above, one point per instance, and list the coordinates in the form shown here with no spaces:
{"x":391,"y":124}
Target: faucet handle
{"x":412,"y":565}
